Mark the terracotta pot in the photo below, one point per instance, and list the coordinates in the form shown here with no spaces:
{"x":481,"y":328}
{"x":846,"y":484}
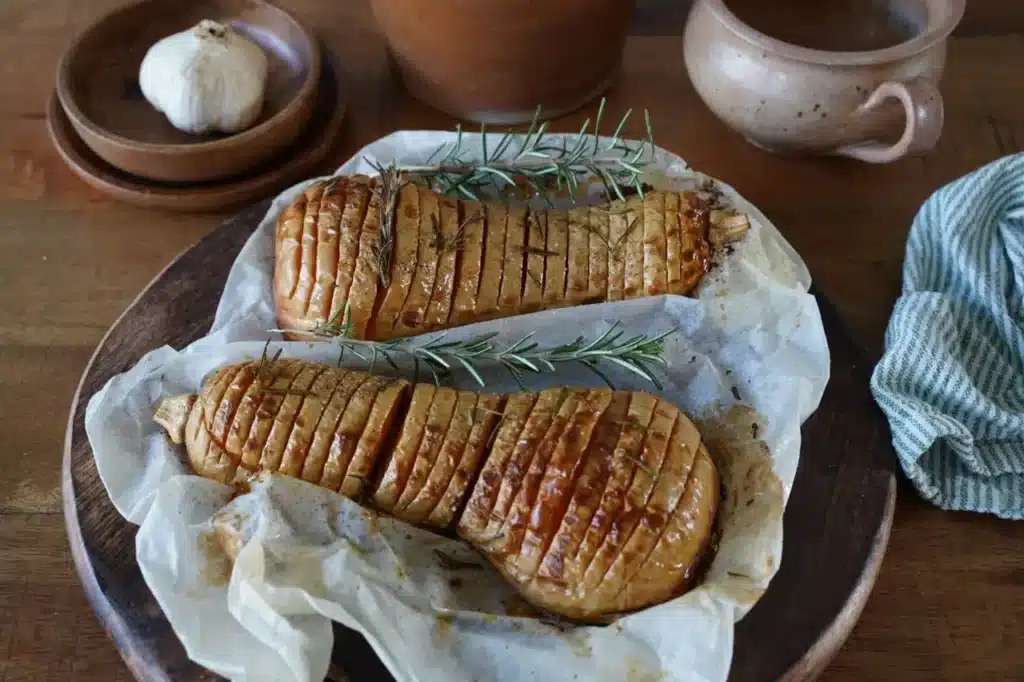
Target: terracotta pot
{"x":494,"y":61}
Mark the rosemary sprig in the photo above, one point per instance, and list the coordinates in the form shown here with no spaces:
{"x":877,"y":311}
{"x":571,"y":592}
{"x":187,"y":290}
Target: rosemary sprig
{"x":637,"y":354}
{"x":444,"y":243}
{"x":385,"y":190}
{"x":265,"y":375}
{"x":614,"y":248}
{"x":637,"y":463}
{"x":542,"y":162}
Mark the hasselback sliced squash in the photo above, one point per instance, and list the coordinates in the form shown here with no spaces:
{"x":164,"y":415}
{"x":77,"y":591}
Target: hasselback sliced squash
{"x":591,"y":502}
{"x":456,"y":262}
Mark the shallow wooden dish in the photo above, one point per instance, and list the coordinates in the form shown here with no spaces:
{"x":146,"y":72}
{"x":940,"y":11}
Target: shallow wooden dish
{"x":97,"y":83}
{"x":292,"y":164}
{"x":836,"y":524}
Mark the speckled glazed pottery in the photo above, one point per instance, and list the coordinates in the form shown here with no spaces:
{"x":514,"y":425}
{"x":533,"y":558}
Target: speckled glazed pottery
{"x":859,"y":79}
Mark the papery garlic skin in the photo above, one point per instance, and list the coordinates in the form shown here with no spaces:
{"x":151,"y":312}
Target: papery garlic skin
{"x":206,"y":79}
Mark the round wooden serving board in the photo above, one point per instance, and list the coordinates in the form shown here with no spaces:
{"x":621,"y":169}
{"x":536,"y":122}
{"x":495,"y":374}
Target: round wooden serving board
{"x":836,"y":524}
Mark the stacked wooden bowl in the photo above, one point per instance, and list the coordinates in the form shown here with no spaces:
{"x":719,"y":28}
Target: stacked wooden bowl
{"x":111,"y":136}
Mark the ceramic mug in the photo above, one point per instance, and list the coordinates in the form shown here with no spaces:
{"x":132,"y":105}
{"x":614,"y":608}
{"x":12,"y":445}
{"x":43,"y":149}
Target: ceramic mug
{"x":858,"y":79}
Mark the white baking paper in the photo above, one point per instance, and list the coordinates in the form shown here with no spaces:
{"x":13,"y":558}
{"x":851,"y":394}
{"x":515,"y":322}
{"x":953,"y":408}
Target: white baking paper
{"x":750,"y":362}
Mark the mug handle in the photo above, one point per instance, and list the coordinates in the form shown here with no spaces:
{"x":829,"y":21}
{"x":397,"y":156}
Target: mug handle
{"x":924,"y":116}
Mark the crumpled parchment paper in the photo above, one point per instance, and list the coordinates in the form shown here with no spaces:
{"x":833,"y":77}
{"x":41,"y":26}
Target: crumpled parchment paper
{"x":749,"y":363}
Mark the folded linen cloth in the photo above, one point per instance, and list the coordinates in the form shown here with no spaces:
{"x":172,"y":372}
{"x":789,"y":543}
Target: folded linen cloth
{"x":951,"y":381}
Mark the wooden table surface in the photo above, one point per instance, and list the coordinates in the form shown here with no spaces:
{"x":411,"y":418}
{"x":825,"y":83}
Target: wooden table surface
{"x":949,"y":603}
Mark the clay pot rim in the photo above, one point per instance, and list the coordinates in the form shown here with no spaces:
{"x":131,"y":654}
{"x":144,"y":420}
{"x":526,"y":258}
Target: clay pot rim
{"x":936,"y":31}
{"x":67,"y":93}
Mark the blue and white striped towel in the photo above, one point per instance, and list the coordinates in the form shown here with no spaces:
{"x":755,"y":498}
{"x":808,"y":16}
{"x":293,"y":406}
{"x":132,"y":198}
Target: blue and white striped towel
{"x":951,"y":380}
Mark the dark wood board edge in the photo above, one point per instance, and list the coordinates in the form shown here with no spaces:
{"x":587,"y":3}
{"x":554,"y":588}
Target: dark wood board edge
{"x":135,"y":656}
{"x":153,"y":653}
{"x":821,"y":654}
{"x":136,"y":650}
{"x":851,"y":485}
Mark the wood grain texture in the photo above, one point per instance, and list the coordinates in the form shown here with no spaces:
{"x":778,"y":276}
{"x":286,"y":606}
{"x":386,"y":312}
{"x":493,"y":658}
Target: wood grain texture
{"x":949,"y":601}
{"x":836,"y":524}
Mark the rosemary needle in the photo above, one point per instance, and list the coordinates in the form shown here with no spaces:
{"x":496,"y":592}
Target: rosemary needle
{"x":264,"y":378}
{"x":636,"y":354}
{"x":385,"y":190}
{"x":542,"y":161}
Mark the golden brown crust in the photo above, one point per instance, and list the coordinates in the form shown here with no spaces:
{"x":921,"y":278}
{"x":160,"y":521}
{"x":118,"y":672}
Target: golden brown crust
{"x":439,"y":418}
{"x":283,"y":373}
{"x":587,"y":493}
{"x":404,"y":257}
{"x":444,"y":283}
{"x":654,"y":245}
{"x":535,"y":441}
{"x":400,"y":463}
{"x":618,"y":223}
{"x":376,"y":429}
{"x":694,"y":250}
{"x":345,"y":386}
{"x":244,"y":415}
{"x":365,"y":280}
{"x":328,"y":258}
{"x":287,"y":250}
{"x":284,"y":420}
{"x":486,"y":305}
{"x":558,"y":478}
{"x":205,"y":454}
{"x":436,"y":474}
{"x":597,"y":287}
{"x":624,"y":468}
{"x":663,"y":493}
{"x":476,"y":518}
{"x":414,"y":311}
{"x":557,"y":260}
{"x":673,"y":243}
{"x":650,"y":460}
{"x":307,"y":419}
{"x":630,"y":248}
{"x":308,"y":253}
{"x":681,"y":545}
{"x":510,"y":296}
{"x":223,"y":401}
{"x":467,"y":278}
{"x":211,"y":398}
{"x":536,"y":249}
{"x":485,"y":420}
{"x":578,"y":275}
{"x":346,"y":436}
{"x":307,"y":250}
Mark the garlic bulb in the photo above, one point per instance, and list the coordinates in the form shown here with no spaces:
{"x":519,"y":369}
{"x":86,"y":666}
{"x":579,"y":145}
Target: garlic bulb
{"x":206,"y":79}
